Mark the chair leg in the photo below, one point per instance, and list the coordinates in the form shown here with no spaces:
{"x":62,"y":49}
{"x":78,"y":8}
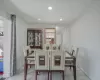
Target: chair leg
{"x":25,"y":71}
{"x":36,"y":73}
{"x":74,"y":72}
{"x":48,"y":75}
{"x":63,"y":75}
{"x":30,"y":65}
{"x":70,"y":67}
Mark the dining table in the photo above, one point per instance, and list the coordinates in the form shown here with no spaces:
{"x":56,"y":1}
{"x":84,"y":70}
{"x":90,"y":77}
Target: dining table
{"x":68,"y":55}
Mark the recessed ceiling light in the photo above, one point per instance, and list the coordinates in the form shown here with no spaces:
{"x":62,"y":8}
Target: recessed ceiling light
{"x":39,"y":19}
{"x":49,"y":8}
{"x":61,"y":19}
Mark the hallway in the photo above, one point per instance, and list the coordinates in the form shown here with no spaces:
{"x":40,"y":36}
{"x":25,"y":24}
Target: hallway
{"x":71,"y":26}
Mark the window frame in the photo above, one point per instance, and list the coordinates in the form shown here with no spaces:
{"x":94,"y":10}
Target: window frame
{"x":49,"y":32}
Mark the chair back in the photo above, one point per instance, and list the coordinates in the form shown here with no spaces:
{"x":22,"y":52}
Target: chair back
{"x":47,"y":47}
{"x":57,"y":60}
{"x":26,"y":50}
{"x":41,"y":60}
{"x":54,"y":47}
{"x":75,"y":51}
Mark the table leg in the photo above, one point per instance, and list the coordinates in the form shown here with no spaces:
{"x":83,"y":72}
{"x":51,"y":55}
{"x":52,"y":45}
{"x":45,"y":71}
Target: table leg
{"x":36,"y":72}
{"x":25,"y":71}
{"x":74,"y":71}
{"x":63,"y":75}
{"x":74,"y":68}
{"x":50,"y":75}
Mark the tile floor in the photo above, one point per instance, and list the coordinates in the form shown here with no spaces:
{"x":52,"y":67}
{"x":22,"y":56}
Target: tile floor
{"x":56,"y":76}
{"x":0,"y":76}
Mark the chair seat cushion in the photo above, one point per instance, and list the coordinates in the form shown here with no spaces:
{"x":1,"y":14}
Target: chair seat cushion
{"x":68,"y":59}
{"x":68,"y":62}
{"x":30,"y":58}
{"x":30,"y":61}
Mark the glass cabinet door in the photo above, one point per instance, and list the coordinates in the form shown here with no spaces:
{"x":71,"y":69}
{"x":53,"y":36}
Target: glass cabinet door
{"x":34,"y":38}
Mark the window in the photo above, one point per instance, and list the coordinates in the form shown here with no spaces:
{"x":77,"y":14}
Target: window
{"x":1,"y":27}
{"x":50,"y":35}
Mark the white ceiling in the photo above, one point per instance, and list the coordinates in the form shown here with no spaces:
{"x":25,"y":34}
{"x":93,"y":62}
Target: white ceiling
{"x":69,"y":10}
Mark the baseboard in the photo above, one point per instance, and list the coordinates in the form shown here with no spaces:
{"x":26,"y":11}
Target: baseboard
{"x":6,"y":75}
{"x":84,"y":72}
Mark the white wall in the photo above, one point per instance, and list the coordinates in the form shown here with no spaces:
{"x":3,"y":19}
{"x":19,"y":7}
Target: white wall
{"x":66,"y":38}
{"x":6,"y":40}
{"x":58,"y":39}
{"x":2,"y":8}
{"x":7,"y":47}
{"x":21,"y":27}
{"x":1,"y":42}
{"x":21,"y":36}
{"x":85,"y":34}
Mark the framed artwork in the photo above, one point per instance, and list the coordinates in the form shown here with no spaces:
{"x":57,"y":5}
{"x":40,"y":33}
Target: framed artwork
{"x":34,"y":38}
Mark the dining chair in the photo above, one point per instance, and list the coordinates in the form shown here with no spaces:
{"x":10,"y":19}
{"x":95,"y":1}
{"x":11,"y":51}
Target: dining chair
{"x":74,"y":53}
{"x":29,"y":57}
{"x":71,"y":61}
{"x":41,"y":62}
{"x":54,"y":47}
{"x":57,"y":60}
{"x":47,"y":47}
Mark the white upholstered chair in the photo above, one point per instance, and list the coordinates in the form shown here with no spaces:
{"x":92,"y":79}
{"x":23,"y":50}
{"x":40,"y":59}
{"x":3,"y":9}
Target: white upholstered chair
{"x":29,"y":53}
{"x":26,"y":50}
{"x":42,"y":60}
{"x":57,"y":60}
{"x":69,"y":61}
{"x":29,"y":57}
